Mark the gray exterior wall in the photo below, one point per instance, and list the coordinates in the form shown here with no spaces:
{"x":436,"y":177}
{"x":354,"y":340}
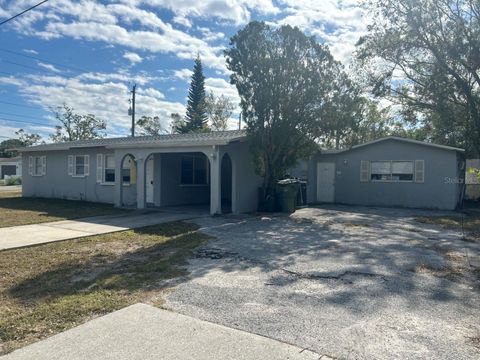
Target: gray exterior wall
{"x":56,"y":183}
{"x":245,"y":181}
{"x":440,"y":190}
{"x":168,"y":191}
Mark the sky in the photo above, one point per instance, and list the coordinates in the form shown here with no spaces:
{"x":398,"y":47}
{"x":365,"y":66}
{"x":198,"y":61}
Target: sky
{"x":88,"y":54}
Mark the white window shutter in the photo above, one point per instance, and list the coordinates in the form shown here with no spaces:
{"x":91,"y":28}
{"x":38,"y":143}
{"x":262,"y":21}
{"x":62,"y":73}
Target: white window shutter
{"x":30,"y":165}
{"x":364,"y":170}
{"x":44,"y":165}
{"x":87,"y":164}
{"x":419,"y":171}
{"x":99,"y":168}
{"x":70,"y":164}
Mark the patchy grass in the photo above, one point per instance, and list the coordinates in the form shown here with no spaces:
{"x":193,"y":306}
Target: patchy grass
{"x":50,"y":288}
{"x":470,"y":223}
{"x":17,"y":210}
{"x":356,"y":225}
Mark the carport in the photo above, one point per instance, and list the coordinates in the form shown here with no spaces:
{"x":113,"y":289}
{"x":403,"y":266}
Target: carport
{"x":216,"y":173}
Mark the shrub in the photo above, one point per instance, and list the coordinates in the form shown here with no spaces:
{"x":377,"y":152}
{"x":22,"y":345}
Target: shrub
{"x":13,"y":180}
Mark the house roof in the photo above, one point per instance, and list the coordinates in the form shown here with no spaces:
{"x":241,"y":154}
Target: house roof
{"x":167,"y":140}
{"x":10,"y":160}
{"x":396,"y":138}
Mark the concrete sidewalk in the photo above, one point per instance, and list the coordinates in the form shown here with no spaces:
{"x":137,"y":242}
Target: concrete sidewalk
{"x":143,"y":332}
{"x":35,"y":234}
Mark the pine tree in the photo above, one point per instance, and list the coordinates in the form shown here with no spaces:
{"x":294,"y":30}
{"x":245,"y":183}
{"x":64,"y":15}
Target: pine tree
{"x":196,"y":117}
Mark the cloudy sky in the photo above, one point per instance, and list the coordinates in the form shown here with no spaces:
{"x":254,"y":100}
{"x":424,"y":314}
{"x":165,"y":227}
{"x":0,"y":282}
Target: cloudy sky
{"x":88,"y":53}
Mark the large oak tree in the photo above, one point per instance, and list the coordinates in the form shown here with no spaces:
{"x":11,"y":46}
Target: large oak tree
{"x":288,"y":85}
{"x":425,"y":56}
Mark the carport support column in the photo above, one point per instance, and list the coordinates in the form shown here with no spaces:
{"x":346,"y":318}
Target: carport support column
{"x":141,"y":183}
{"x":118,"y":179}
{"x":215,"y":182}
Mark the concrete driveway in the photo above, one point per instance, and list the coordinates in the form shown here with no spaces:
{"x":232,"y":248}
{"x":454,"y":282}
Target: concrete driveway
{"x":356,"y":283}
{"x":36,"y":234}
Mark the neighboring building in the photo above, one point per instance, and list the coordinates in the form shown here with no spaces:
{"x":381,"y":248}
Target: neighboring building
{"x":472,"y":181}
{"x":213,"y":168}
{"x":390,"y":171}
{"x":10,"y":167}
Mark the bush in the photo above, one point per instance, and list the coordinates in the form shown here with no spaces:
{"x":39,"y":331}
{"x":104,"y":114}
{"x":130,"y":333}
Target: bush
{"x":13,"y":180}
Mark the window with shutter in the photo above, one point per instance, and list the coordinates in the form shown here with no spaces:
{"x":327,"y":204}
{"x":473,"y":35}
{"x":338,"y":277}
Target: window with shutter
{"x":44,"y":165}
{"x":419,"y":171}
{"x":87,"y":164}
{"x":364,"y":170}
{"x":30,"y":165}
{"x":99,"y":168}
{"x":70,"y":165}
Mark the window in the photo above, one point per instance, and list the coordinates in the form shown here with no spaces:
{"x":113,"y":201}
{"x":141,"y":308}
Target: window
{"x":391,"y":170}
{"x":402,"y":170}
{"x":194,"y":170}
{"x":109,"y":169}
{"x":78,"y":165}
{"x":37,"y":165}
{"x":381,"y":170}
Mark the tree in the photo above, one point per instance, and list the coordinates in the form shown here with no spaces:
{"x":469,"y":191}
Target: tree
{"x":177,"y":124}
{"x":343,"y":107}
{"x":218,"y":109}
{"x":424,"y":55}
{"x":7,"y":145}
{"x":150,"y":125}
{"x":24,"y":139}
{"x":28,"y":139}
{"x":75,"y":126}
{"x":284,"y":80}
{"x":196,"y":116}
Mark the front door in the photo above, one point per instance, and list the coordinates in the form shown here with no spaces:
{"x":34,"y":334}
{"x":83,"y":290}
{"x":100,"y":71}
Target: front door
{"x":325,"y":182}
{"x":149,"y":181}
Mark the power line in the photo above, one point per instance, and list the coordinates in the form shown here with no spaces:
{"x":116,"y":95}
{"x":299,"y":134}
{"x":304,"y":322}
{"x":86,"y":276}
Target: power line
{"x":23,"y":12}
{"x":19,"y":115}
{"x":23,"y":122}
{"x":16,"y":104}
{"x":27,"y":66}
{"x":44,"y":60}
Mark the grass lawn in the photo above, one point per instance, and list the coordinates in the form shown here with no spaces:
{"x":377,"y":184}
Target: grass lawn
{"x":50,"y":288}
{"x":470,"y":222}
{"x":16,"y":210}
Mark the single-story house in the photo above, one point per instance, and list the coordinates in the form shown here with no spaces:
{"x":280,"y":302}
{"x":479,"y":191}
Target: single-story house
{"x":391,"y":171}
{"x":10,"y":167}
{"x":214,"y":169}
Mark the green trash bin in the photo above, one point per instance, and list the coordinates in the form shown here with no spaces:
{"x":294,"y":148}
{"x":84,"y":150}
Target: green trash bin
{"x":287,"y":191}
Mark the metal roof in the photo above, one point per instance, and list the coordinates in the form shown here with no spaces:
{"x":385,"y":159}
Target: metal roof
{"x":167,"y":140}
{"x":397,"y":138}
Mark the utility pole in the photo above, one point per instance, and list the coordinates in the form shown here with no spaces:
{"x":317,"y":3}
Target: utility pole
{"x":240,"y":121}
{"x":133,"y":109}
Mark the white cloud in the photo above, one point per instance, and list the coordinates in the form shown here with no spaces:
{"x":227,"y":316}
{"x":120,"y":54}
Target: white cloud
{"x":49,"y":67}
{"x":220,"y":86}
{"x":105,"y":95}
{"x":209,"y":35}
{"x":182,"y":20}
{"x":237,"y":11}
{"x":133,"y":57}
{"x":339,"y":23}
{"x":183,"y":74}
{"x":30,"y":51}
